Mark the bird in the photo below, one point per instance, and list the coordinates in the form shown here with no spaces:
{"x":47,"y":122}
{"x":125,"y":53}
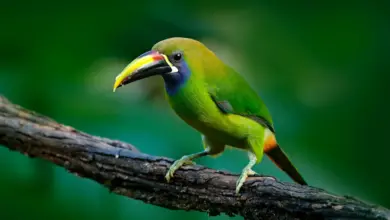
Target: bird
{"x":214,"y":99}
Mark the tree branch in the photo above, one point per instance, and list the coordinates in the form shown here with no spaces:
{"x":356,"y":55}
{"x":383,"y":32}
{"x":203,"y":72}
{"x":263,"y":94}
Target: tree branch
{"x":126,"y":171}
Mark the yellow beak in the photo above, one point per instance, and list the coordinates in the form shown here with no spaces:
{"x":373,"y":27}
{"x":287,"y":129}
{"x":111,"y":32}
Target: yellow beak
{"x":148,"y":64}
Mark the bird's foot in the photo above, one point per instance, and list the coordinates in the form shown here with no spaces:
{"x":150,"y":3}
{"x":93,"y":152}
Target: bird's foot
{"x":185,"y":160}
{"x":244,"y":175}
{"x":251,"y":172}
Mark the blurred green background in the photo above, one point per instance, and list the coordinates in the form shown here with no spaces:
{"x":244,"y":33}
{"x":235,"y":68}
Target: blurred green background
{"x":322,"y":69}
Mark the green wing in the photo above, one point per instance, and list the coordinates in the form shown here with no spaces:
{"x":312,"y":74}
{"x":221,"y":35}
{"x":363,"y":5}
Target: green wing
{"x":233,"y":95}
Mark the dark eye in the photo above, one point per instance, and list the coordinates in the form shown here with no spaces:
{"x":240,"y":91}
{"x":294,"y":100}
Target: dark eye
{"x":177,"y":56}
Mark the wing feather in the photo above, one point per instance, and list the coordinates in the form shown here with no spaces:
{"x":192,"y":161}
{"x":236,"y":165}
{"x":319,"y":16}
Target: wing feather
{"x":233,"y":95}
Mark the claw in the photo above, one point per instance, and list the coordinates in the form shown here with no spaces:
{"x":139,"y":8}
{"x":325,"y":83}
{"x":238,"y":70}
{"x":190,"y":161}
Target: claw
{"x":242,"y":179}
{"x":251,"y":172}
{"x":244,"y":175}
{"x":185,"y":160}
{"x":189,"y":162}
{"x":246,"y":171}
{"x":176,"y":165}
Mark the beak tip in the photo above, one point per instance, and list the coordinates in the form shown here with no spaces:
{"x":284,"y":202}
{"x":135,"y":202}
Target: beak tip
{"x":116,"y":85}
{"x":143,"y":62}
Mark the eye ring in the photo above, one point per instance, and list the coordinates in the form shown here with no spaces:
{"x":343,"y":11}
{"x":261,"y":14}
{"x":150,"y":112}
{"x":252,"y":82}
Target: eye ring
{"x":177,"y":56}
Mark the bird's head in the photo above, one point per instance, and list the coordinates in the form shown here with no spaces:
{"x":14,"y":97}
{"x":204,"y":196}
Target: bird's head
{"x":173,"y":59}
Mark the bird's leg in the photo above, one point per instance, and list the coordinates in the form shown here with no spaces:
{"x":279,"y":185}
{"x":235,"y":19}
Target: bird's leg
{"x":246,"y":171}
{"x":185,"y":160}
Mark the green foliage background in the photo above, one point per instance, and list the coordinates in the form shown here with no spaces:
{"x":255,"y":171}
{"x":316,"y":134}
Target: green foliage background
{"x":322,"y":68}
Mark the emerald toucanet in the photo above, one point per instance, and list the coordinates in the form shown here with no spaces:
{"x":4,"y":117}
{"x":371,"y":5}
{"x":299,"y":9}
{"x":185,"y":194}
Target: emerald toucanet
{"x":212,"y":98}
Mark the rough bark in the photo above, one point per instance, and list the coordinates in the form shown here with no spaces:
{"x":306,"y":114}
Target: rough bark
{"x":125,"y":171}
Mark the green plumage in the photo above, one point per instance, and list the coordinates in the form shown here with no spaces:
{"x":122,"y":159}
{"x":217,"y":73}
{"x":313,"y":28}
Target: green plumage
{"x":215,"y":100}
{"x":235,"y":96}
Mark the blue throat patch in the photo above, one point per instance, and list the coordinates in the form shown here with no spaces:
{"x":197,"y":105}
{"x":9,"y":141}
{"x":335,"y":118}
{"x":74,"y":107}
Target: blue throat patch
{"x":173,"y":82}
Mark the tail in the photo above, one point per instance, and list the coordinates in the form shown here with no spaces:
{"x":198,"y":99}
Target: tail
{"x":276,"y":154}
